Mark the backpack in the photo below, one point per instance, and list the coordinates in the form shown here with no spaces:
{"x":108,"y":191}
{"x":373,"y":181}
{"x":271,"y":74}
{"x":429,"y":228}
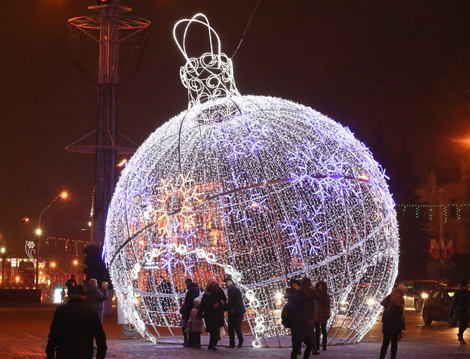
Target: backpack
{"x":287,"y":316}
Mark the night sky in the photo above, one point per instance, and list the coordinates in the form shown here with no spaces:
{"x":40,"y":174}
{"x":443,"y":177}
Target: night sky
{"x":403,"y":63}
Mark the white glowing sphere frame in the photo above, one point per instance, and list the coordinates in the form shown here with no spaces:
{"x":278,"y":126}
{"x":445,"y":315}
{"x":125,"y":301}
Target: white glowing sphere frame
{"x":259,"y":188}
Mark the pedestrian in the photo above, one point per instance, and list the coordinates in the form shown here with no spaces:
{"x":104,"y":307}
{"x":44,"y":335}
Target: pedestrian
{"x":96,"y":296}
{"x":300,"y":330}
{"x":459,"y":309}
{"x":322,"y":312}
{"x":191,"y":294}
{"x":212,"y":310}
{"x":74,"y":327}
{"x":309,"y":307}
{"x":393,"y":319}
{"x":195,"y":324}
{"x":62,"y":296}
{"x":235,"y":312}
{"x":294,"y":286}
{"x":71,"y":282}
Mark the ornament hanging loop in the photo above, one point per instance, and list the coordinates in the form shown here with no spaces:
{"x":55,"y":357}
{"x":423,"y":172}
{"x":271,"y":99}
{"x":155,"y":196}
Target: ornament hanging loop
{"x":210,"y":75}
{"x":192,"y":21}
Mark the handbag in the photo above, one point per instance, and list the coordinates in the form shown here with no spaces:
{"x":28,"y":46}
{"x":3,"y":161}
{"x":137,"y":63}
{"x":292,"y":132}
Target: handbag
{"x":221,"y":333}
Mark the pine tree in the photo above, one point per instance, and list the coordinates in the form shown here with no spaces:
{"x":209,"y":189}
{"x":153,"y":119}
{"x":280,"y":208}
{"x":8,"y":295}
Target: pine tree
{"x":94,"y":264}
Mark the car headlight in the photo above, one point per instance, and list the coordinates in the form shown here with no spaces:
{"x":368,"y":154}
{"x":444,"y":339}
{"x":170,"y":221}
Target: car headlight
{"x":424,"y":295}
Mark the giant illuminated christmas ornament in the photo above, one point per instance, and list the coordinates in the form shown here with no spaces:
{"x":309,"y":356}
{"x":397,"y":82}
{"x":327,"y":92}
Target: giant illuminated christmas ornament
{"x":260,"y":188}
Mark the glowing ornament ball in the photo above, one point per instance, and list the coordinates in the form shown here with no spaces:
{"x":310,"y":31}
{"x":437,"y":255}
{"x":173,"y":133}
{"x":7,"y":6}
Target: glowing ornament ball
{"x":257,"y":187}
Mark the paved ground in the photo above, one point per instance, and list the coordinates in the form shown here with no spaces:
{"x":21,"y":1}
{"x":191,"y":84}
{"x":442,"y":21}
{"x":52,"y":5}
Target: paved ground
{"x":24,"y":330}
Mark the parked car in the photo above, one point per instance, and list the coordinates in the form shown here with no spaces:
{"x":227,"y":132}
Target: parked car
{"x":417,"y":291}
{"x":436,"y":306}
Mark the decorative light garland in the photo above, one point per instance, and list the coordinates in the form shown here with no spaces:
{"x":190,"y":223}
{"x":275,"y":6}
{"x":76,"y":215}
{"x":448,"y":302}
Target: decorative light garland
{"x":431,"y":207}
{"x":256,"y":187}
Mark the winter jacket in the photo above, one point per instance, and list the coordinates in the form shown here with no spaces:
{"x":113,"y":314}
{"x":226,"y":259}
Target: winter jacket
{"x":235,"y":305}
{"x":96,"y":297}
{"x":195,"y":322}
{"x":301,"y":329}
{"x":73,"y":329}
{"x":309,"y":305}
{"x":459,"y":309}
{"x":213,"y":317}
{"x":322,"y":304}
{"x":393,"y":317}
{"x":191,"y":294}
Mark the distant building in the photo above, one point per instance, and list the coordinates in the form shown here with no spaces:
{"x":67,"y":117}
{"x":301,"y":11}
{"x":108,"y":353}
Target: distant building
{"x":445,"y":202}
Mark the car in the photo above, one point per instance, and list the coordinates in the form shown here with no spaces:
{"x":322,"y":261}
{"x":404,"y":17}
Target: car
{"x":436,"y":306}
{"x":416,"y":291}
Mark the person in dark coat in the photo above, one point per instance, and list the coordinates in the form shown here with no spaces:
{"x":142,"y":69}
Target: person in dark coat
{"x":73,"y":329}
{"x":191,"y":294}
{"x":70,"y":284}
{"x":212,"y":310}
{"x":393,"y":319}
{"x":322,"y":312}
{"x":294,"y":286}
{"x":459,"y":309}
{"x":96,"y":297}
{"x":236,"y":311}
{"x":309,"y":307}
{"x":301,"y":331}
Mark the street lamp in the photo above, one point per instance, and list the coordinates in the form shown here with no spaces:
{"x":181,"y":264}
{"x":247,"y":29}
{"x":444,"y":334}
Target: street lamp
{"x":63,"y":195}
{"x":3,"y":250}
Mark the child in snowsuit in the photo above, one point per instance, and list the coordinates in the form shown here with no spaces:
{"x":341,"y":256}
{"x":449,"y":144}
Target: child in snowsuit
{"x":195,"y":324}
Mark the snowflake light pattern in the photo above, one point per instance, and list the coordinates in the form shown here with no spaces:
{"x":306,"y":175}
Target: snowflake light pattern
{"x":259,"y":188}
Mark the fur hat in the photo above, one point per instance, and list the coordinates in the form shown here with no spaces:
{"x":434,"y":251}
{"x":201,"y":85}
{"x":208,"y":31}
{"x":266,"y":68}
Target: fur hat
{"x":79,"y":290}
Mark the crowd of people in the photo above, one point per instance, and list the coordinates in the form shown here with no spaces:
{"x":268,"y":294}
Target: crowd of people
{"x":306,"y":312}
{"x":209,"y":310}
{"x":77,"y":324}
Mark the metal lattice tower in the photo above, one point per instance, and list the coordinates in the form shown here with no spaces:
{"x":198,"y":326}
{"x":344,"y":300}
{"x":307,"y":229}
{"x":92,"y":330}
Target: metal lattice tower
{"x":108,"y":50}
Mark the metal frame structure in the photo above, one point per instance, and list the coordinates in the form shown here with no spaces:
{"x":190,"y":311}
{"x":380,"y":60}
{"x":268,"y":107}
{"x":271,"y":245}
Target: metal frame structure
{"x":110,"y":23}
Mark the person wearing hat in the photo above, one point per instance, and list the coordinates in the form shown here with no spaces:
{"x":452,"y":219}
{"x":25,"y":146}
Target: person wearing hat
{"x":212,"y":310}
{"x":74,"y":327}
{"x":235,"y":310}
{"x":393,"y":319}
{"x":459,"y":309}
{"x":195,"y":325}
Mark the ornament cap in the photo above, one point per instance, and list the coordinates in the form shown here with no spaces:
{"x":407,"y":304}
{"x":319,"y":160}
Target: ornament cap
{"x":210,"y":75}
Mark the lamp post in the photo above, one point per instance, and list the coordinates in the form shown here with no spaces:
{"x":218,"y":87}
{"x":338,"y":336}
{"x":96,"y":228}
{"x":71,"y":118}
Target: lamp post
{"x":63,"y":195}
{"x":3,"y":250}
